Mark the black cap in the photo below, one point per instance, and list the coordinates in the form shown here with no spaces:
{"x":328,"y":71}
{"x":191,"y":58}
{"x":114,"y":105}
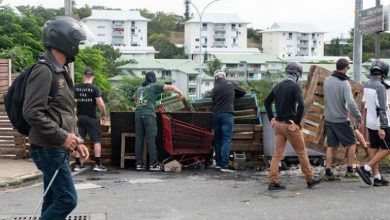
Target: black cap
{"x":88,"y":71}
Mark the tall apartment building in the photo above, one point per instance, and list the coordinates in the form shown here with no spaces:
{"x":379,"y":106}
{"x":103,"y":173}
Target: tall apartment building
{"x":217,"y":34}
{"x":125,"y":30}
{"x":292,"y":40}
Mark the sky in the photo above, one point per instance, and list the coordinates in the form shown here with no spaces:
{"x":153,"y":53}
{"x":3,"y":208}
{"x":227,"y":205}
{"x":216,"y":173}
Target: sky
{"x":335,"y":17}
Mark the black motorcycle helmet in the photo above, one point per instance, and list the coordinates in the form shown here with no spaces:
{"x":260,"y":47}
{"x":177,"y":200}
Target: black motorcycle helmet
{"x":295,"y":68}
{"x":64,"y":34}
{"x":378,"y":67}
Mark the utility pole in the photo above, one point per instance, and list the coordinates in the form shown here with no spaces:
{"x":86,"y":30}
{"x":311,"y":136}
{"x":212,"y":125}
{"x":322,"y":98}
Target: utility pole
{"x":378,"y":37}
{"x":357,"y":43}
{"x":68,"y":12}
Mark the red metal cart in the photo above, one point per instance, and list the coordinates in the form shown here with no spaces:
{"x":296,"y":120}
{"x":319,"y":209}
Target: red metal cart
{"x":186,"y":142}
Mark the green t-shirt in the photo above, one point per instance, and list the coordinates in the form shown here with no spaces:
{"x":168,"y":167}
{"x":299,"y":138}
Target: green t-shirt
{"x":146,"y":98}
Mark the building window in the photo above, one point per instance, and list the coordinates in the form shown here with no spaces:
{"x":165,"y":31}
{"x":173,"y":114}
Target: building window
{"x":204,"y":26}
{"x":233,"y":26}
{"x":132,"y":23}
{"x":241,"y":65}
{"x":197,"y":39}
{"x":101,"y":35}
{"x":101,"y":27}
{"x":239,"y":25}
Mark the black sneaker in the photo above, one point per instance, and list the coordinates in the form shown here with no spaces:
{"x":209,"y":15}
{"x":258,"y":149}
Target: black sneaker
{"x":364,"y":174}
{"x":276,"y":186}
{"x":380,"y":182}
{"x":140,"y":168}
{"x":79,"y":167}
{"x":99,"y":168}
{"x":316,"y":180}
{"x":384,"y":181}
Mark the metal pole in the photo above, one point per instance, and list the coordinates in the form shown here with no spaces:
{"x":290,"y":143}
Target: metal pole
{"x":378,"y":37}
{"x":199,"y":81}
{"x":68,"y":12}
{"x":357,"y":43}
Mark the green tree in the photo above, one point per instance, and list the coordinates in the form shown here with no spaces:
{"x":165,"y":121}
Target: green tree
{"x":92,"y":58}
{"x":255,"y":34}
{"x":21,"y":57}
{"x":187,"y":10}
{"x":167,"y":50}
{"x":121,"y":99}
{"x":213,"y":66}
{"x":111,"y":56}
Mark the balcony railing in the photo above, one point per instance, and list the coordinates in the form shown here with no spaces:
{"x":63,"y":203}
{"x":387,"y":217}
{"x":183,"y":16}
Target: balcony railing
{"x":118,"y":25}
{"x":303,"y":38}
{"x":219,"y":28}
{"x":219,"y":36}
{"x":118,"y":34}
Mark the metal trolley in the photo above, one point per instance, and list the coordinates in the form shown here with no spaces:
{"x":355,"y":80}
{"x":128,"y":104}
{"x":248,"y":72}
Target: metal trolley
{"x":185,"y":142}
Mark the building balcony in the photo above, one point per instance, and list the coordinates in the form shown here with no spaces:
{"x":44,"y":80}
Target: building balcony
{"x":219,"y":28}
{"x":133,"y":34}
{"x":219,"y":45}
{"x":118,"y":34}
{"x":118,"y":25}
{"x":118,"y":42}
{"x":219,"y":36}
{"x":304,"y":45}
{"x":234,"y":45}
{"x":133,"y":26}
{"x":303,"y":38}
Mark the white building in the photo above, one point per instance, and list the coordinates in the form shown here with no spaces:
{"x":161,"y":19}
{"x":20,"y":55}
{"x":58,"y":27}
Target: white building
{"x":218,"y":34}
{"x":125,"y":30}
{"x":289,"y":40}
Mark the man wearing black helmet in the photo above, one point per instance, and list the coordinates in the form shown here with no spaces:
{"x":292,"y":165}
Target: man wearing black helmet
{"x":145,"y":119}
{"x":287,"y":96}
{"x":52,"y":119}
{"x":338,"y":102}
{"x":375,"y":99}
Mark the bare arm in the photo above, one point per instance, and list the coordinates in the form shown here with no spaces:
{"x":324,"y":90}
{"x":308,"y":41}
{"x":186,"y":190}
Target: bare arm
{"x":174,"y":89}
{"x":101,"y":106}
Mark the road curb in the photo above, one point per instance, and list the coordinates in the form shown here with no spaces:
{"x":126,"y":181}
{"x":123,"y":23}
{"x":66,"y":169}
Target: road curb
{"x":24,"y":180}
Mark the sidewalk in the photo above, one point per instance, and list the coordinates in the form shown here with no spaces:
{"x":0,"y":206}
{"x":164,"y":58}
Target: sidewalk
{"x":17,"y":173}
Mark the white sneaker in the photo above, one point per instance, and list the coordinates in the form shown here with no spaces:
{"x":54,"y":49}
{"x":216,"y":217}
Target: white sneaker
{"x":78,"y":167}
{"x":99,"y":168}
{"x":155,"y":168}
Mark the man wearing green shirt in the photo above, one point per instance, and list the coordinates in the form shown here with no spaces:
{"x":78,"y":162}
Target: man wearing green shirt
{"x":145,"y":119}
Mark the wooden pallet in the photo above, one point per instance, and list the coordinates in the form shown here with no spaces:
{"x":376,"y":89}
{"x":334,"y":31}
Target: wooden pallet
{"x":313,"y":120}
{"x":106,"y":148}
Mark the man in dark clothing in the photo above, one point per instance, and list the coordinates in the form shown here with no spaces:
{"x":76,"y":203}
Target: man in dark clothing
{"x":223,"y":94}
{"x":286,"y":124}
{"x":145,"y":119}
{"x":52,"y":119}
{"x":88,"y":96}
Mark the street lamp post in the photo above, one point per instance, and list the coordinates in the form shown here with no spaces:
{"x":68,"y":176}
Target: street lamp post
{"x":200,"y":14}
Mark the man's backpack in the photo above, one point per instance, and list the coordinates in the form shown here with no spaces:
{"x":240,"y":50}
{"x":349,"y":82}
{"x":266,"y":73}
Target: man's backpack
{"x":14,"y":99}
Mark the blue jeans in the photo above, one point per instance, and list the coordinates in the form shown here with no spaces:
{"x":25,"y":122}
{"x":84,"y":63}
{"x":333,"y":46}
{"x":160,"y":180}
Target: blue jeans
{"x":61,"y":198}
{"x":145,"y":125}
{"x":223,"y":132}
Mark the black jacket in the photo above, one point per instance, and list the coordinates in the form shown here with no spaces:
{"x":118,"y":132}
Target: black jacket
{"x":223,"y":94}
{"x":286,"y":95}
{"x":51,"y":119}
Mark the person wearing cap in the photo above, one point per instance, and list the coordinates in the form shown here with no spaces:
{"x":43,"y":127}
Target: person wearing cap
{"x":223,"y":96}
{"x":88,"y":97}
{"x":289,"y":106}
{"x":145,"y":119}
{"x":377,"y":123}
{"x":339,"y":102}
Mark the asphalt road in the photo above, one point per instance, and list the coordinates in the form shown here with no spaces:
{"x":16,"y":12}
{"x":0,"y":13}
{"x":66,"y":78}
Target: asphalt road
{"x":211,"y":194}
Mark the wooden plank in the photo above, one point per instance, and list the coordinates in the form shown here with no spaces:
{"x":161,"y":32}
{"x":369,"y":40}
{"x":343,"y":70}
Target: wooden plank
{"x":243,"y":136}
{"x":314,"y":117}
{"x":315,"y":108}
{"x":245,"y":146}
{"x":243,"y":127}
